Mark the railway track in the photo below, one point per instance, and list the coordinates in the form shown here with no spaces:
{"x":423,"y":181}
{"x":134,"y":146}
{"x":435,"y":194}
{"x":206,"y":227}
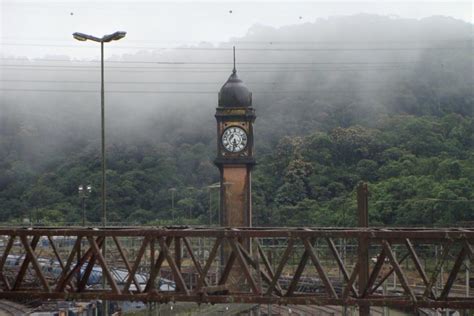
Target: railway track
{"x":9,"y":308}
{"x":312,"y":310}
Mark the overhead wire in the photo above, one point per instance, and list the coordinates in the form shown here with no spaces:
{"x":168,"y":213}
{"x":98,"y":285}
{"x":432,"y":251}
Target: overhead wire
{"x":195,"y":70}
{"x":262,"y":42}
{"x":212,"y":62}
{"x":189,"y":91}
{"x":127,"y":82}
{"x":165,"y":67}
{"x":423,"y":200}
{"x":305,"y":49}
{"x":14,"y":81}
{"x":108,"y":91}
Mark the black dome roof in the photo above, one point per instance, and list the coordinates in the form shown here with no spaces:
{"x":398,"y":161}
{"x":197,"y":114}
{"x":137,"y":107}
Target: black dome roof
{"x":234,"y":93}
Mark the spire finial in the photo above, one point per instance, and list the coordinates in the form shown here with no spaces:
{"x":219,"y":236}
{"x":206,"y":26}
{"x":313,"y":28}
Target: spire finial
{"x":234,"y":71}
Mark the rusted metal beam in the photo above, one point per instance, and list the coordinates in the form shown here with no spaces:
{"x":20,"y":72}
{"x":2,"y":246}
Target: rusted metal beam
{"x":88,"y":257}
{"x":251,"y":261}
{"x":454,"y":272}
{"x":196,"y":263}
{"x":388,"y":274}
{"x":26,"y":262}
{"x":394,"y":301}
{"x":63,"y":277}
{"x":418,"y":265}
{"x":227,"y":268}
{"x":6,"y":251}
{"x":312,"y":254}
{"x":152,"y":258}
{"x":375,"y":272}
{"x":265,"y":260}
{"x":281,"y":265}
{"x":136,"y":265}
{"x":55,"y":251}
{"x":340,"y":263}
{"x":177,"y":251}
{"x":256,"y":262}
{"x":395,"y":235}
{"x":103,"y":264}
{"x":210,"y":259}
{"x":178,"y":277}
{"x":268,"y":267}
{"x":284,"y":284}
{"x":125,"y":261}
{"x":155,"y":269}
{"x":398,"y":270}
{"x":34,"y":262}
{"x":298,"y":273}
{"x":245,"y":268}
{"x":437,"y":270}
{"x":350,"y":283}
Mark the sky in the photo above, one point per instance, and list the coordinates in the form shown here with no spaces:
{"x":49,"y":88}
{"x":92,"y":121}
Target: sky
{"x":40,"y":28}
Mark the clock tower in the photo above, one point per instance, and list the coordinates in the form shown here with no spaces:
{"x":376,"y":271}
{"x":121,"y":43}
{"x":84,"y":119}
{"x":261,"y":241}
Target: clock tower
{"x":235,"y":160}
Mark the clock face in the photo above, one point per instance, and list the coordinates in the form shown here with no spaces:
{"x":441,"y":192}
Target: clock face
{"x":234,"y":139}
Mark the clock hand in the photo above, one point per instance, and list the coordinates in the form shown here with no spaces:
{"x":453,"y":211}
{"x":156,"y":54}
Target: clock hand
{"x":235,"y":144}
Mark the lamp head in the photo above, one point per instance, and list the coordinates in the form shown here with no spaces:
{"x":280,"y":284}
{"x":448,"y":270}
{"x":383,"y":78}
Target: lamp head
{"x":119,"y":35}
{"x":114,"y":36}
{"x":80,"y":36}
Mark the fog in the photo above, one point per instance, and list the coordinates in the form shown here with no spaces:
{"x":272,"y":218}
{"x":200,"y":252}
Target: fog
{"x":38,"y":28}
{"x":367,"y":91}
{"x":306,"y":76}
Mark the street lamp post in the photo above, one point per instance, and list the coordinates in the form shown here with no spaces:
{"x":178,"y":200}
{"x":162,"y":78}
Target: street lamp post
{"x":83,"y":194}
{"x":104,"y":39}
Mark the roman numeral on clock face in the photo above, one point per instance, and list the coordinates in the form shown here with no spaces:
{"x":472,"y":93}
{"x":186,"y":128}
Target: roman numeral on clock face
{"x":234,"y":139}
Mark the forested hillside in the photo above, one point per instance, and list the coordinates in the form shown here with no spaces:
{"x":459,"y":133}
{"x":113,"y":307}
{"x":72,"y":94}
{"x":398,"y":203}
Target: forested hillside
{"x":383,"y":100}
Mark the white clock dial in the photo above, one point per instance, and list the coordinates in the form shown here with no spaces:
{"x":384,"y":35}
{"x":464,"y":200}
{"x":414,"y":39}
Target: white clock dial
{"x":234,"y":139}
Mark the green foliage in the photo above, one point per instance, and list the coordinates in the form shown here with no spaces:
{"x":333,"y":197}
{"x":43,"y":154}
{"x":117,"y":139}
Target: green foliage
{"x":406,"y":128}
{"x":418,"y":169}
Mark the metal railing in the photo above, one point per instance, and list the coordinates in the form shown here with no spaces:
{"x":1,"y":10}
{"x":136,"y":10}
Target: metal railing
{"x":409,"y":267}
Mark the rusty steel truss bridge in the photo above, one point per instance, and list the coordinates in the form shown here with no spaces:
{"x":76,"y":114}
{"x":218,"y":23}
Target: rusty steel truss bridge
{"x":411,"y":268}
